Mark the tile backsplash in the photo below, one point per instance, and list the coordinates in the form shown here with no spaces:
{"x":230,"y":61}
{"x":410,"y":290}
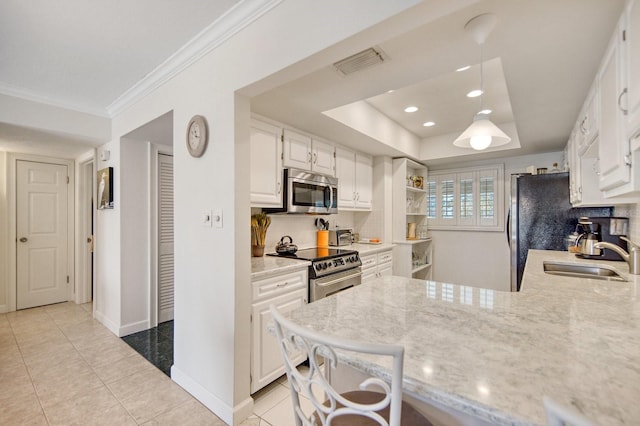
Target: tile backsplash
{"x":301,"y":228}
{"x":632,"y":211}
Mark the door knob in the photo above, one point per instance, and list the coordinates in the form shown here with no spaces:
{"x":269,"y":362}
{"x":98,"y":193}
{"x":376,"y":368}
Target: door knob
{"x":23,"y":239}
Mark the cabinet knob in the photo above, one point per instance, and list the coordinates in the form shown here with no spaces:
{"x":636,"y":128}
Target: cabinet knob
{"x":23,"y":239}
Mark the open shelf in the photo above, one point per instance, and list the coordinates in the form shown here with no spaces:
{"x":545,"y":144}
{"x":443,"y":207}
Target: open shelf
{"x":412,"y":242}
{"x":420,"y":268}
{"x":410,"y":208}
{"x":418,"y":190}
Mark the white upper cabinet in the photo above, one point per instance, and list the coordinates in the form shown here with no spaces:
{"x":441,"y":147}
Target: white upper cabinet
{"x":575,"y":182}
{"x":364,"y":181}
{"x":323,"y":157}
{"x":346,"y":174}
{"x":265,"y":165}
{"x":619,"y":164}
{"x":612,"y":150}
{"x":588,"y":122}
{"x":297,"y":150}
{"x":354,"y":171}
{"x":633,"y":68}
{"x":302,"y":152}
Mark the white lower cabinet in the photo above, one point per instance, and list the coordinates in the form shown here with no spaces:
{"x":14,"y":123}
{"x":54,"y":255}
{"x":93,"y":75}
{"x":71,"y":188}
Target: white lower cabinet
{"x":377,"y":265}
{"x":286,"y":292}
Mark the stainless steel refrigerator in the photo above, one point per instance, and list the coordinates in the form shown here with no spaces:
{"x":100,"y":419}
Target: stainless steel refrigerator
{"x":540,"y":217}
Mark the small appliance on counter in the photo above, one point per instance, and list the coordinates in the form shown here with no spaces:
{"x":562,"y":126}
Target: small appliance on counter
{"x":340,"y":237}
{"x":596,"y":229}
{"x":286,"y":247}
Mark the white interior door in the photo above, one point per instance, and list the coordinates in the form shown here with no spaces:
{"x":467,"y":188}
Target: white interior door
{"x":165,"y":238}
{"x":42,"y":234}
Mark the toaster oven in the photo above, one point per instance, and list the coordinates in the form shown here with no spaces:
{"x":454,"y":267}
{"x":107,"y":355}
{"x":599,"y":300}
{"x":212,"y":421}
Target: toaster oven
{"x":340,"y":237}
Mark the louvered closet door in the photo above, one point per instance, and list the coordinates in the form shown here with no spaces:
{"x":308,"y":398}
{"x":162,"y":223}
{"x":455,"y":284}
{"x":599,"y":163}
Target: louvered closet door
{"x":165,"y":238}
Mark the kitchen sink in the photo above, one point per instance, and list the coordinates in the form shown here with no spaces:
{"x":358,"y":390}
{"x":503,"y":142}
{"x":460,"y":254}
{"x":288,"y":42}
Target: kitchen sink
{"x":596,"y":272}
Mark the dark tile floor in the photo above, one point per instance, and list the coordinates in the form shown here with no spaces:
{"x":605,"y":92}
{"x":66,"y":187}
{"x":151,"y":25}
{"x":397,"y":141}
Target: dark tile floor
{"x":155,"y":344}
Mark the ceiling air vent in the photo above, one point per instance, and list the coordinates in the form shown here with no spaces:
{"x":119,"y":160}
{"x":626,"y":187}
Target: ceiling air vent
{"x":365,"y":59}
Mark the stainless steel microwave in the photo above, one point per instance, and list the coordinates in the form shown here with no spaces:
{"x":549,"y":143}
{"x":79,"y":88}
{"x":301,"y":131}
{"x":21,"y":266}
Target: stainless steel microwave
{"x":308,"y":192}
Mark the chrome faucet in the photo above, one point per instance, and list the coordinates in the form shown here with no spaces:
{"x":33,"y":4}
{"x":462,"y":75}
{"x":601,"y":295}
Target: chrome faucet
{"x":632,"y":258}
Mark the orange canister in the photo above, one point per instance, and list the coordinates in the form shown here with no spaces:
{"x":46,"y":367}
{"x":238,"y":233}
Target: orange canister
{"x":323,"y":239}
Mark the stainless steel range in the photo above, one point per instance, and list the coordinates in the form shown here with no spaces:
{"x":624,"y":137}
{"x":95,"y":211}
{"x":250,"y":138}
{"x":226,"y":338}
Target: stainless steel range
{"x":332,"y":270}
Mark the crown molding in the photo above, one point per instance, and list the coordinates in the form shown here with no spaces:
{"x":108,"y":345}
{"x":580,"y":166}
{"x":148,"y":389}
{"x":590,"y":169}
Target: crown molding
{"x":223,"y":28}
{"x":27,"y":95}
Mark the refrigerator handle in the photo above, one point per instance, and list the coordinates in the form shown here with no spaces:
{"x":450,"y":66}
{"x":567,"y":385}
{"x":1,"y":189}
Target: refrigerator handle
{"x":507,"y":230}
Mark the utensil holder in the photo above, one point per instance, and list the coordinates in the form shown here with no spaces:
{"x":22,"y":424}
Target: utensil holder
{"x":322,"y":239}
{"x":257,"y":251}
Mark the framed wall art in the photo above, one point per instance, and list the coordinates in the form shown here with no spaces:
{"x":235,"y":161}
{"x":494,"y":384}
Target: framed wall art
{"x":105,"y":188}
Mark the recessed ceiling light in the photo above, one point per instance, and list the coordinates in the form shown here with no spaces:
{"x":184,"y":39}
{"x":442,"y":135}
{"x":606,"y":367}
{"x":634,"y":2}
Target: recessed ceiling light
{"x":474,"y":93}
{"x":411,"y":109}
{"x":485,"y":111}
{"x":463,"y":68}
{"x":428,"y":124}
{"x":390,"y":91}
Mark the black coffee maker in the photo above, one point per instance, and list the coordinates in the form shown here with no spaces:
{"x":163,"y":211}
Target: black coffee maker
{"x":596,"y":229}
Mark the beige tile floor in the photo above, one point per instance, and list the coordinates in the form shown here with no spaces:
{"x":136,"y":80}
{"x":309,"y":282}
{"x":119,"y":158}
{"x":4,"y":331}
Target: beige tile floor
{"x":58,"y":366}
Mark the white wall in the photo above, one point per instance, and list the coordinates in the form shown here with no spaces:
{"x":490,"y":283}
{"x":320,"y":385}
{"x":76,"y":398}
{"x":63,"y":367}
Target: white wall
{"x":107,"y":245}
{"x":134,"y":235}
{"x":377,"y":223}
{"x":57,"y":120}
{"x":212,"y":266}
{"x":4,"y":235}
{"x":481,"y":259}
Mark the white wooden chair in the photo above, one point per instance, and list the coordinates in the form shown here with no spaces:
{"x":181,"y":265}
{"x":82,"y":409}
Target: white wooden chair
{"x":354,"y":408}
{"x":559,"y":415}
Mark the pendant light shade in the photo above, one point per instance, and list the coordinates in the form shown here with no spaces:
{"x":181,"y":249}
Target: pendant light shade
{"x":482,"y":133}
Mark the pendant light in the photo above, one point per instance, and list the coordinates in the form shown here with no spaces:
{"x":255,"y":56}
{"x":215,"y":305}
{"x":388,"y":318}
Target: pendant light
{"x":482,"y":133}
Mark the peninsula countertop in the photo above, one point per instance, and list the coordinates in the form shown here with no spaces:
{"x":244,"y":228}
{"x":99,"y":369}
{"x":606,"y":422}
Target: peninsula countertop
{"x":494,"y":355}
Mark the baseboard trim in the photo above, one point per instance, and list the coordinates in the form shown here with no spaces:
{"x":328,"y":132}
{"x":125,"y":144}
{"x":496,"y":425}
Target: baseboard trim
{"x":242,"y":411}
{"x":230,"y":415}
{"x":133,"y":328}
{"x":111,"y":326}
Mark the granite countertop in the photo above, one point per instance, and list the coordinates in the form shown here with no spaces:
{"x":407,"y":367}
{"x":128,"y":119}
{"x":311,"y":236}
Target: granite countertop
{"x":270,"y":265}
{"x":365,"y":249}
{"x":495,"y":354}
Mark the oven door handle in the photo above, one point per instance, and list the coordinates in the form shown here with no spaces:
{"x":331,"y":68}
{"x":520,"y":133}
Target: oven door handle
{"x":337,"y":280}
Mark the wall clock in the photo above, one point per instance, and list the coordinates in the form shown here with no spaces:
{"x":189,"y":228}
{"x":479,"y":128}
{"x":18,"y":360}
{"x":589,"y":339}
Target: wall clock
{"x":197,"y":136}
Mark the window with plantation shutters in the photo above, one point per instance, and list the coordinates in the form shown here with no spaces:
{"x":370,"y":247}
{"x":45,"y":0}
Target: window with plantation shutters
{"x":448,"y":198}
{"x":468,"y":198}
{"x":432,"y":200}
{"x":466,"y":201}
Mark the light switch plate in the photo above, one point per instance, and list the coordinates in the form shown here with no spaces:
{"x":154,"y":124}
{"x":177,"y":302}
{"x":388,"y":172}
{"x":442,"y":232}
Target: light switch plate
{"x":217,"y":217}
{"x":206,"y":218}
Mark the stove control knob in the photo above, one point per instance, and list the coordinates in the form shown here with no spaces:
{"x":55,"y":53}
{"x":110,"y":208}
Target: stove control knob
{"x":318,"y":266}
